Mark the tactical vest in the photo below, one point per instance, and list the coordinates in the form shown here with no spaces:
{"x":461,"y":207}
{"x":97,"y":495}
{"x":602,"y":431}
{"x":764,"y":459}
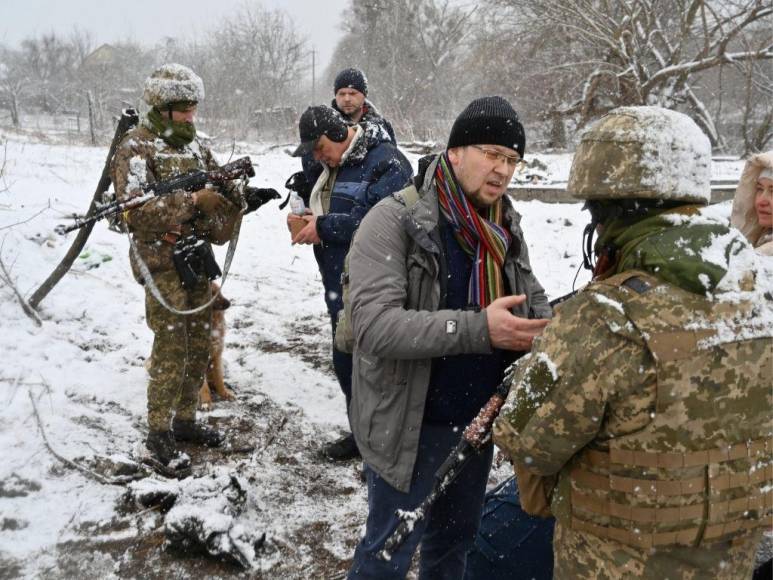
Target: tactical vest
{"x":166,"y":162}
{"x":701,"y":470}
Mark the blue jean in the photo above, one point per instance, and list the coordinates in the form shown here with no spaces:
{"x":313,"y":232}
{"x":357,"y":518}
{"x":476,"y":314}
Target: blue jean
{"x":448,"y":531}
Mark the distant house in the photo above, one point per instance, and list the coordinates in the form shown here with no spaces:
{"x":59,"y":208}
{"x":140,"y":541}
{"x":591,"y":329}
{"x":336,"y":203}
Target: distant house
{"x":105,"y":55}
{"x":274,"y":122}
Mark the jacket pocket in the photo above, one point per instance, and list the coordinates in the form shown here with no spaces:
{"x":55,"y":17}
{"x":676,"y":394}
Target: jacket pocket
{"x":381,"y":404}
{"x":341,"y":204}
{"x":346,"y":195}
{"x":420,"y":279}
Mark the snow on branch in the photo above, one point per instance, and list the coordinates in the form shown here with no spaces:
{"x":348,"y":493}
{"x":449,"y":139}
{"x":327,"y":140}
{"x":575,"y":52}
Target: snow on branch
{"x":686,"y":68}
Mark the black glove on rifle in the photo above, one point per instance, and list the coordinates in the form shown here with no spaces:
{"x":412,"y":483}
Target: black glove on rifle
{"x":257,"y":196}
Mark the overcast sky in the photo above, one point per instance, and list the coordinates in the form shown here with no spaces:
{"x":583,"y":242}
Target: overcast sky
{"x":149,"y":21}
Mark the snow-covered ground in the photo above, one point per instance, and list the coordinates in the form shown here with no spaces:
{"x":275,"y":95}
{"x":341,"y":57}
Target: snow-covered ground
{"x":83,"y":373}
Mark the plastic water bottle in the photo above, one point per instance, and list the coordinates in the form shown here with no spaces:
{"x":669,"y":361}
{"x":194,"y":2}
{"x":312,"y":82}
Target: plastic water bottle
{"x":296,"y":204}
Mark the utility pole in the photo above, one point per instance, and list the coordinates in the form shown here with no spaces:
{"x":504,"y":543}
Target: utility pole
{"x":313,"y":76}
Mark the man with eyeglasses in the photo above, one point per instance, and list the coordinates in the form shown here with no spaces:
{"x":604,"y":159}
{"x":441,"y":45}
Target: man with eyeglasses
{"x":443,"y":299}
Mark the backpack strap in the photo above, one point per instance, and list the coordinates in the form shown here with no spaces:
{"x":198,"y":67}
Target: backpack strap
{"x":409,"y":196}
{"x":636,"y":280}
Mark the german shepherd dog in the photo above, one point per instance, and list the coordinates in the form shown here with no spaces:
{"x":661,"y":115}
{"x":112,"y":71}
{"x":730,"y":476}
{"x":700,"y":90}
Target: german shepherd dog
{"x":214,"y":376}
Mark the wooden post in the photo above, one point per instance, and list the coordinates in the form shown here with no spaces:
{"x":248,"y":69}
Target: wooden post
{"x":90,"y":99}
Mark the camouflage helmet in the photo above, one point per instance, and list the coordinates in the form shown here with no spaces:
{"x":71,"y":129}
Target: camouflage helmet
{"x":642,"y":153}
{"x":173,"y":83}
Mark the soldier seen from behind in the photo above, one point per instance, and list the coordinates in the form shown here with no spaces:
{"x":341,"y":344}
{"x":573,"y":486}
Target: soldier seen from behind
{"x":360,"y":167}
{"x":164,"y":230}
{"x":642,"y":415}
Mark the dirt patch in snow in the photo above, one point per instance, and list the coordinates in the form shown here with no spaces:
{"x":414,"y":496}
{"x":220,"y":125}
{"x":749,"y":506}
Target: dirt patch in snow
{"x":311,"y":510}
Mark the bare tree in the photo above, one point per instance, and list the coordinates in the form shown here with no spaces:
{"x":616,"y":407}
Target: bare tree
{"x":637,"y":52}
{"x":50,"y":63}
{"x":757,"y":110}
{"x":108,"y":77}
{"x":82,"y":42}
{"x":251,"y":61}
{"x":13,"y":82}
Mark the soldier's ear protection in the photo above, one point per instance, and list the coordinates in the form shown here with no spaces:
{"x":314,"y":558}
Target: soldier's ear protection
{"x":604,"y":211}
{"x":600,"y":213}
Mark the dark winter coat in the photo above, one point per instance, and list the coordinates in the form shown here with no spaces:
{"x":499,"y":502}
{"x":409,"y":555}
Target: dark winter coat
{"x":371,"y":115}
{"x":373,"y":170}
{"x":313,"y":169}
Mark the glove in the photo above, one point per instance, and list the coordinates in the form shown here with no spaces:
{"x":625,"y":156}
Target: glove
{"x":209,"y":201}
{"x":257,"y":196}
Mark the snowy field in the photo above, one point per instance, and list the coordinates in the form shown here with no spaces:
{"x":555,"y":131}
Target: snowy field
{"x":80,"y":380}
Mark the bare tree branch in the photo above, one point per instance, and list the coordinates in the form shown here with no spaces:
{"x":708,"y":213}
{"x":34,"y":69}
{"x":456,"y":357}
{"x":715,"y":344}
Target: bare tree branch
{"x":5,"y":276}
{"x":69,"y":462}
{"x":687,"y":68}
{"x":29,"y":219}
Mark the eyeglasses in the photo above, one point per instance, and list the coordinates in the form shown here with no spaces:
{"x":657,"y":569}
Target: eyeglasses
{"x":496,"y":156}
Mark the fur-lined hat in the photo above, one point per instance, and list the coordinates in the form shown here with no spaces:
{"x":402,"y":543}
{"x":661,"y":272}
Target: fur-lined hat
{"x":173,"y":83}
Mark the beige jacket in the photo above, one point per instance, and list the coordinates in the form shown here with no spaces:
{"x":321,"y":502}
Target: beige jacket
{"x":744,"y":216}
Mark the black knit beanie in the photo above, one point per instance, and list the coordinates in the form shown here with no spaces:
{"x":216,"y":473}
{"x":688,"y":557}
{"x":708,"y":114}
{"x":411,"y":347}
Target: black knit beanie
{"x":351,"y":78}
{"x":488,"y":121}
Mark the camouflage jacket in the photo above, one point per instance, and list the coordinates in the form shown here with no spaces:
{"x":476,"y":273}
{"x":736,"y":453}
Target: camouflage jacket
{"x":142,"y":157}
{"x":574,"y":409}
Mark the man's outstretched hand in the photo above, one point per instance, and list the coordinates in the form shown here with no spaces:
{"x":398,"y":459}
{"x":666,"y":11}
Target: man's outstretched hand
{"x":510,"y":332}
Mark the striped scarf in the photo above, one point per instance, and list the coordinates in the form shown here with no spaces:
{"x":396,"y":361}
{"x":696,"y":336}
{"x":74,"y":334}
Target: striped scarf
{"x":482,"y":238}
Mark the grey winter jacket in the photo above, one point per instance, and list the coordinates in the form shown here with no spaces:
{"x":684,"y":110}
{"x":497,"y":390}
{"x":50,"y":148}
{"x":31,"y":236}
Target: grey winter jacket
{"x":396,"y":268}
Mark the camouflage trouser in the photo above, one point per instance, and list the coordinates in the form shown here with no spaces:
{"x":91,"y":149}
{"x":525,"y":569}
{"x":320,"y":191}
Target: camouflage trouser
{"x":581,"y":555}
{"x":180,"y":350}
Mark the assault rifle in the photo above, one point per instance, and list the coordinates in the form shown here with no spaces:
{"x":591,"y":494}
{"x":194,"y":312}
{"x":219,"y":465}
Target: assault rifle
{"x":475,"y":437}
{"x":193,"y":181}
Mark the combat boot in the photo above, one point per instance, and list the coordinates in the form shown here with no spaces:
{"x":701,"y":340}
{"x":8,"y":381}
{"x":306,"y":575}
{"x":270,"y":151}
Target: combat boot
{"x":198,"y":433}
{"x":161,"y":446}
{"x":164,"y":457}
{"x":343,"y":449}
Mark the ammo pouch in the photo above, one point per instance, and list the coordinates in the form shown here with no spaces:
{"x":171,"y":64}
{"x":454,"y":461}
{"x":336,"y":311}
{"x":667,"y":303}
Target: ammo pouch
{"x":534,"y":491}
{"x":701,"y":470}
{"x":194,"y":259}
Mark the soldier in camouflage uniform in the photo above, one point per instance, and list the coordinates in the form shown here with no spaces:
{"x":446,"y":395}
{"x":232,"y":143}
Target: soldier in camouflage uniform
{"x":162,"y":147}
{"x":643,"y":411}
